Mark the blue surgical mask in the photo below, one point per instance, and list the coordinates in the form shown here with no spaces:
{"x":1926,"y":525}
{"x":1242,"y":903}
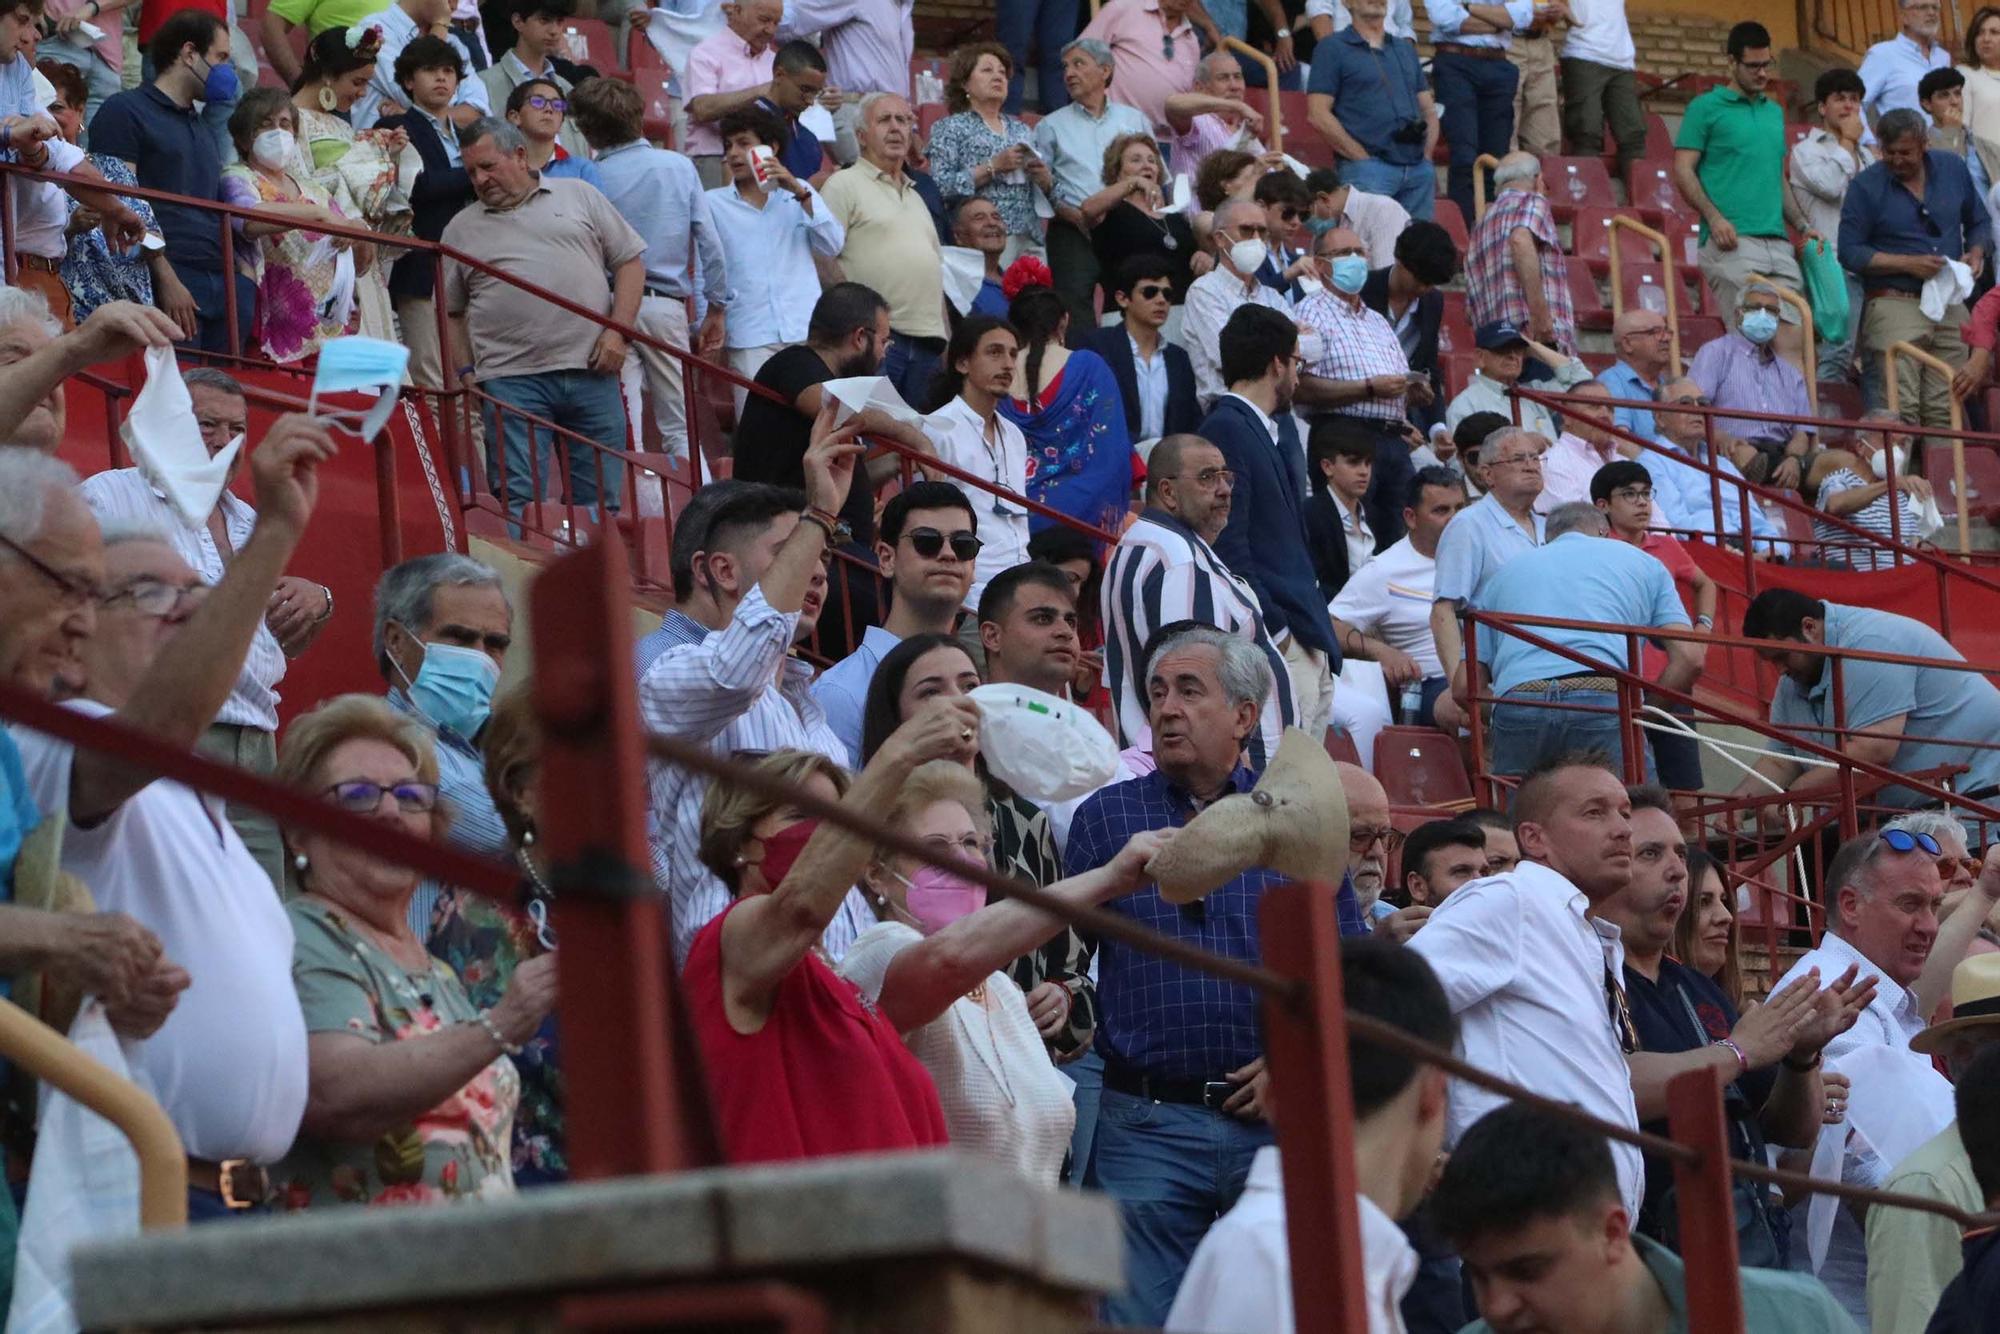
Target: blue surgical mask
{"x":221,"y":83}
{"x":1320,"y":226}
{"x":355,"y":363}
{"x":454,"y":688}
{"x":1349,"y":273}
{"x":1760,"y":326}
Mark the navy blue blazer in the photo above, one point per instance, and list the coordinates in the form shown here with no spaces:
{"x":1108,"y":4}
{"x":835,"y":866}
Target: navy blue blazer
{"x":440,"y":191}
{"x":1183,"y":408}
{"x":1265,"y":540}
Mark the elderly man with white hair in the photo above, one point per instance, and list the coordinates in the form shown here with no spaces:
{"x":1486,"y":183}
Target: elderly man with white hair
{"x":1213,"y":114}
{"x":1515,"y":269}
{"x":36,"y":356}
{"x":1073,"y":140}
{"x":1241,"y":240}
{"x":1743,"y":369}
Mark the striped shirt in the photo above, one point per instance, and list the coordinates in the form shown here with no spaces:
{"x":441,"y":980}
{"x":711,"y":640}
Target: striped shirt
{"x":475,"y":821}
{"x":1356,"y":344}
{"x":124,"y":496}
{"x":1024,"y":847}
{"x":731,"y":689}
{"x":1843,"y":547}
{"x":1161,"y":572}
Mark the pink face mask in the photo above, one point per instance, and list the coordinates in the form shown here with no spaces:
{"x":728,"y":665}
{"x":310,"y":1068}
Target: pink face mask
{"x":939,"y":897}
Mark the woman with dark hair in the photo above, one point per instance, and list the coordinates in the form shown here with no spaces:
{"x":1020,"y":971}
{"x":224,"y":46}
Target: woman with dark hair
{"x":980,"y":150}
{"x":1982,"y":74}
{"x":1068,"y":406}
{"x":1705,"y":936}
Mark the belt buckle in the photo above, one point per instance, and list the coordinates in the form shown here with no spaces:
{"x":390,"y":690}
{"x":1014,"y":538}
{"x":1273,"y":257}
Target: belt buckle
{"x":225,"y":1183}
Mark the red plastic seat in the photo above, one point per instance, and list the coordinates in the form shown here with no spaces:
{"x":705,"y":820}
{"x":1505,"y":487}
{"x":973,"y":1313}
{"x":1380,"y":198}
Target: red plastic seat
{"x":1457,"y":311}
{"x":651,"y":81}
{"x":1697,"y":330}
{"x":1459,"y":366}
{"x":600,"y":45}
{"x":1982,"y":480}
{"x":929,"y":114}
{"x":1590,"y":235}
{"x":1649,"y":184}
{"x":1659,"y":140}
{"x":1340,"y":745}
{"x":1593,"y":183}
{"x":640,"y":53}
{"x":1635,"y":278}
{"x":1420,"y":766}
{"x":1586,"y":300}
{"x":1302,"y":141}
{"x":1839,"y":400}
{"x":1799,"y":529}
{"x":1446,"y":215}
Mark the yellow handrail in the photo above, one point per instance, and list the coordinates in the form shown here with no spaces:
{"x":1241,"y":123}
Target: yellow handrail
{"x":1944,"y":368}
{"x":1479,"y":167}
{"x":1277,"y":120}
{"x":47,"y":1054}
{"x":1804,"y":307}
{"x":1670,"y":282}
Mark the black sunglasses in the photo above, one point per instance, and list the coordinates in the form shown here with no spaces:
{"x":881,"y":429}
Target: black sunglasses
{"x":928,"y":542}
{"x":1147,"y":291}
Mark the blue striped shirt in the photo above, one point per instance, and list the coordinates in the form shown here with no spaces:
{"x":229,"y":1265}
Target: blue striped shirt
{"x":475,"y":821}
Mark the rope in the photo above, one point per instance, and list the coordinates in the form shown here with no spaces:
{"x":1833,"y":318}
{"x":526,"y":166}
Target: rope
{"x":1664,"y":721}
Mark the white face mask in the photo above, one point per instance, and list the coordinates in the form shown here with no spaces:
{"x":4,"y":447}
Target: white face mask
{"x":275,"y":149}
{"x":1884,"y":464}
{"x":1248,"y":255}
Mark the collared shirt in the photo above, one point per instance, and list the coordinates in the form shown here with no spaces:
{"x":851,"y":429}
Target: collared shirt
{"x":1205,"y":134}
{"x":509,"y":72}
{"x":171,"y":150}
{"x":1390,"y":598}
{"x":476,"y":825}
{"x":769,"y":257}
{"x":565,"y":238}
{"x":1599,"y":33}
{"x":659,"y":193}
{"x":1448,"y":16}
{"x":867,"y":43}
{"x":1374,"y":91}
{"x":721,"y":63}
{"x":1154,"y":62}
{"x":1881,"y":215}
{"x":732,"y":689}
{"x":398,"y":29}
{"x":1891,"y":71}
{"x":1624,"y":382}
{"x":1354,"y":529}
{"x":842,"y":689}
{"x":1072,"y":142}
{"x":1742,"y":167}
{"x":1479,"y":540}
{"x":1241,"y":1275}
{"x":1493,"y":288}
{"x":1001,"y":454}
{"x":1903,"y":524}
{"x":1936,"y":702}
{"x":41,"y":210}
{"x":1356,"y":344}
{"x":1614,"y":583}
{"x":1158,"y":1017}
{"x":1149,"y":377}
{"x":1694,"y":491}
{"x":1819,"y":170}
{"x":1736,"y":373}
{"x":1211,"y":300}
{"x":1912,"y":1255}
{"x":892,"y":245}
{"x":447,"y":134}
{"x":1378,"y":220}
{"x":1568,"y":467}
{"x":1528,"y":972}
{"x":802,"y":155}
{"x":1482,"y":394}
{"x":1161,"y":572}
{"x":1400,"y":19}
{"x":125,"y":496}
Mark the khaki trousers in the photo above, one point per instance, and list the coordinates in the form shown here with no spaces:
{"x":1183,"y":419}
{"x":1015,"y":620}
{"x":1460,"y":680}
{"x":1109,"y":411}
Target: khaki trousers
{"x":1312,"y":684}
{"x":1924,"y":396}
{"x":1537,"y":120}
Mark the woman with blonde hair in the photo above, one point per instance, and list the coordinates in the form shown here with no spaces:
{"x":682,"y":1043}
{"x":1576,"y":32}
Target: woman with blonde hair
{"x":1129,"y":216}
{"x":980,"y":150}
{"x":409,"y":1098}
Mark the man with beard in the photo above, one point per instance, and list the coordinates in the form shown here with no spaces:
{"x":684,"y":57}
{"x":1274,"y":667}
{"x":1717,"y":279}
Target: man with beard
{"x":846,"y":336}
{"x":1371,"y":841}
{"x":1768,"y":1057}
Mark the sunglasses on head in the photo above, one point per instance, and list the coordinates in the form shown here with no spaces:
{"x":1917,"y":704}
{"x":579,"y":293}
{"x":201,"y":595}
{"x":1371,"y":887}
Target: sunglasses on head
{"x":928,"y":542}
{"x":1902,"y":840}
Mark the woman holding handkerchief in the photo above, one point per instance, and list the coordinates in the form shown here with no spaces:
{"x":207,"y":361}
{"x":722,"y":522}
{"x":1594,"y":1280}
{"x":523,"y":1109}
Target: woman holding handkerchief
{"x":980,"y":150}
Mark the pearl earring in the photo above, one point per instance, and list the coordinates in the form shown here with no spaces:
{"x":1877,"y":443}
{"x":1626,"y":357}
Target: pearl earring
{"x":300,"y":863}
{"x":528,"y":838}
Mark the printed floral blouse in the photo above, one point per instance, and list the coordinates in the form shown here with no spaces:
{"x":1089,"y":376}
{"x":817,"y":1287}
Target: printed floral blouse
{"x":458,"y":1149}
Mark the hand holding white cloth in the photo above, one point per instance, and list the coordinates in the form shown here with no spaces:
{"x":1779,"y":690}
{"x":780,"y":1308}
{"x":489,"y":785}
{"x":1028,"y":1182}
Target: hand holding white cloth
{"x":858,"y":393}
{"x":166,"y":442}
{"x":964,"y":274}
{"x":1045,"y":748}
{"x":1949,"y":285}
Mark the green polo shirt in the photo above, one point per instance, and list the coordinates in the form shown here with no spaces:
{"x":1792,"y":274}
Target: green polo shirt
{"x":1742,"y":147}
{"x":319,"y":15}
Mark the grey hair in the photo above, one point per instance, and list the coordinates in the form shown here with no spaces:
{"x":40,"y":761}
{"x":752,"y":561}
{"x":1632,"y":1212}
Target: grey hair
{"x":120,"y":531}
{"x":868,"y":102}
{"x":1507,"y":173}
{"x":403,"y":594}
{"x":26,"y":478}
{"x":1228,"y":209}
{"x":1245,"y":676}
{"x":506,"y":136}
{"x":1093,"y":48}
{"x":1201,"y":67}
{"x":1496,"y":442}
{"x":1577,"y":516}
{"x":1759,"y":285}
{"x":209,"y":377}
{"x":1898,"y":125}
{"x":21,"y":305}
{"x":1940,"y":825}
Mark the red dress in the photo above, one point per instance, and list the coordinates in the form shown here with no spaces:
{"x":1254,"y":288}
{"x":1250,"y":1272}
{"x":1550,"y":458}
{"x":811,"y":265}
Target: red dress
{"x":826,"y":1075}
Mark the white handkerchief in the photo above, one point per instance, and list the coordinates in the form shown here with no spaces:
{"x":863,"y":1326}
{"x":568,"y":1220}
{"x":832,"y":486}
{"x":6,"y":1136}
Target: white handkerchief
{"x":1299,"y":168}
{"x":1043,"y":208}
{"x":1951,"y":283}
{"x":166,"y":443}
{"x":820,"y":121}
{"x":964,"y":274}
{"x":1044,"y":747}
{"x":859,"y":392}
{"x":90,"y":30}
{"x":1183,"y":197}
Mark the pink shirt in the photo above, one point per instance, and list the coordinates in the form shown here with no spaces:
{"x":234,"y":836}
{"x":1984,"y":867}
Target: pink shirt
{"x":1567,"y":469}
{"x":112,"y":48}
{"x":721,"y":63}
{"x":1147,"y":76}
{"x":1206,"y":133}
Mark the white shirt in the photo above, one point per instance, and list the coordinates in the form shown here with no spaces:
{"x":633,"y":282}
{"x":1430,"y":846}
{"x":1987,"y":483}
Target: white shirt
{"x":398,"y":30}
{"x":1390,"y":598}
{"x":1524,"y":965}
{"x":229,"y":1065}
{"x":1240,"y":1280}
{"x":1819,"y":170}
{"x":1599,"y":33}
{"x":1354,"y":527}
{"x":125,"y":496}
{"x":1149,"y":378}
{"x":1892,"y":1017}
{"x":1211,"y":300}
{"x":1400,"y":19}
{"x":963,"y":441}
{"x":1378,"y":220}
{"x":769,"y":253}
{"x":41,"y":210}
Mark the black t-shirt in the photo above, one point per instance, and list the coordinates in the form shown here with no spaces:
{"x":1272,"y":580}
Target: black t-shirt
{"x":770,"y":441}
{"x":1127,"y":230}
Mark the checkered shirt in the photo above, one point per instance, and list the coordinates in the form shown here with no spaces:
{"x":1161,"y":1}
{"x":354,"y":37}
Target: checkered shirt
{"x":1358,"y":343}
{"x":1493,"y":288}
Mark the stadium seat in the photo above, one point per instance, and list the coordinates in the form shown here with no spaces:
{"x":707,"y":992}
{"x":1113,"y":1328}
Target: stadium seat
{"x":641,"y":53}
{"x":1591,"y":188}
{"x":1458,"y":368}
{"x":1446,"y":215}
{"x":1420,"y":766}
{"x":1586,"y":300}
{"x":1982,"y":481}
{"x":1697,"y":330}
{"x":651,"y":81}
{"x":1340,"y":745}
{"x":1840,"y":401}
{"x":1590,"y":236}
{"x":929,"y":114}
{"x":1798,"y":528}
{"x":1634,"y":279}
{"x":1659,"y":140}
{"x":1649,"y":184}
{"x":600,"y":45}
{"x":1795,"y":130}
{"x":1457,"y":310}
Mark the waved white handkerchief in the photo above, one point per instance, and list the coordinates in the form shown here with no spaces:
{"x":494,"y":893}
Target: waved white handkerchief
{"x":1299,"y":169}
{"x":820,"y":121}
{"x":964,"y":274}
{"x":858,"y":393}
{"x":166,"y":443}
{"x":1898,"y":1101}
{"x":1045,"y":748}
{"x":676,"y":27}
{"x":1949,"y":284}
{"x":1183,"y":196}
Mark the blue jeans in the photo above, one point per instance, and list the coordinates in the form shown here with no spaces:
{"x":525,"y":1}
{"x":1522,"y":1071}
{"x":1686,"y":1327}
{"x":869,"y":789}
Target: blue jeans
{"x":211,"y":303}
{"x":1389,"y":485}
{"x":205,"y":1206}
{"x":910,"y":369}
{"x":1088,"y":1072}
{"x":1174,"y":1169}
{"x":1253,"y":75}
{"x":1414,"y":186}
{"x":580,"y":401}
{"x":1478,"y":100}
{"x":99,"y":79}
{"x":1677,"y":757}
{"x":1524,"y":735}
{"x":1046,"y":26}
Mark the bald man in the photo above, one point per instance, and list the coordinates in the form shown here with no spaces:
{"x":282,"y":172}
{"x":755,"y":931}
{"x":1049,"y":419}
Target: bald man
{"x":1371,"y":841}
{"x":1643,"y":345}
{"x":1241,"y":238}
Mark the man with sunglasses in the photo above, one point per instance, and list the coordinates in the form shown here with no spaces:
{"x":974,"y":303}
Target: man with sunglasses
{"x":1155,"y":377}
{"x":925,"y":547}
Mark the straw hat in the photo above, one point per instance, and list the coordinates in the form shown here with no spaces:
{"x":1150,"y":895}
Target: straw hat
{"x":1293,"y":822}
{"x":1975,"y":1003}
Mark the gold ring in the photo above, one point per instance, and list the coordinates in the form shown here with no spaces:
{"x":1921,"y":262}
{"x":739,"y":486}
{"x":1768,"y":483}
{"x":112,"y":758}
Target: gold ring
{"x":965,"y":734}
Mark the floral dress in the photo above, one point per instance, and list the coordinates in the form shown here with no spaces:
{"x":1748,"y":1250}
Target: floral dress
{"x":484,"y":942}
{"x":295,"y":271}
{"x":367,"y":184}
{"x":459,"y":1149}
{"x":94,"y":274}
{"x":963,"y":141}
{"x":1079,"y":451}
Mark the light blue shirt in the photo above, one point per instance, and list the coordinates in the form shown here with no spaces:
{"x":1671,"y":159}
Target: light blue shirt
{"x":1447,"y":16}
{"x":447,"y":134}
{"x":1150,"y":380}
{"x":1610,"y":581}
{"x":842,"y":689}
{"x":1072,"y":142}
{"x":770,"y":258}
{"x":475,"y":821}
{"x":1693,"y":498}
{"x":1480,"y":539}
{"x":1624,"y":382}
{"x":1891,"y":71}
{"x":659,"y":192}
{"x":17,"y":90}
{"x":574,"y":168}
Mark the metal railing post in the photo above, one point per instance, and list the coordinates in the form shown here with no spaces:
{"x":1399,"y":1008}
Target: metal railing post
{"x":1707,"y":1209}
{"x":1670,"y":281}
{"x":1273,"y":107}
{"x":1929,"y":362}
{"x":1808,"y":347}
{"x":1482,"y":164}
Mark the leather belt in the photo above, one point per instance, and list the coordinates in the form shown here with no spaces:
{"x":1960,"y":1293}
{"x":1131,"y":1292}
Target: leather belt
{"x":1379,"y":425}
{"x":1894,"y":293}
{"x":1476,"y":52}
{"x":241,"y":1183}
{"x":1189,"y":1092}
{"x":42,"y":262}
{"x":663,"y":292}
{"x":1547,"y":684}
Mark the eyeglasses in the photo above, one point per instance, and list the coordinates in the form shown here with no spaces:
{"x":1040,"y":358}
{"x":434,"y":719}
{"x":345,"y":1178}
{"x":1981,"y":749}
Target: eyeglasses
{"x":541,"y":103}
{"x":1902,"y":840}
{"x":1147,"y":291}
{"x":928,"y":542}
{"x":75,"y":592}
{"x":358,"y":796}
{"x":1526,"y":460}
{"x":1207,"y":476}
{"x":970,"y":848}
{"x":1700,"y":401}
{"x":1360,"y":838}
{"x":155,"y":597}
{"x":1633,"y":493}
